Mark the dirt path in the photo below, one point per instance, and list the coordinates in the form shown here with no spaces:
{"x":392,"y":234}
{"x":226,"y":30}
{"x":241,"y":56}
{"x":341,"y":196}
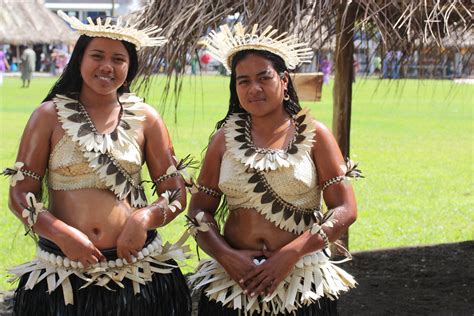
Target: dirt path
{"x":432,"y":280}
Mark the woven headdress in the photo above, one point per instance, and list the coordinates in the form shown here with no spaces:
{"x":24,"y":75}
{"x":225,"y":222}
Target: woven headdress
{"x":225,"y":44}
{"x":121,"y":30}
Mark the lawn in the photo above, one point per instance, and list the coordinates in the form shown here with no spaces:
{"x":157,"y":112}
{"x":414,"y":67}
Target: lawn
{"x":414,"y":141}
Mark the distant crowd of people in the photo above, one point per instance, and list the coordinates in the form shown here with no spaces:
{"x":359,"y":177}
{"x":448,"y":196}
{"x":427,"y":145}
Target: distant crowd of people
{"x":29,"y":59}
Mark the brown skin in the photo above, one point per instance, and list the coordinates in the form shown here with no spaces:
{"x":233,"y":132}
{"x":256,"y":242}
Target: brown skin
{"x":81,"y":222}
{"x":247,"y":233}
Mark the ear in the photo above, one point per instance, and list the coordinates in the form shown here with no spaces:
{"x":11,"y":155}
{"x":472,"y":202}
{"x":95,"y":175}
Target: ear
{"x":284,"y":79}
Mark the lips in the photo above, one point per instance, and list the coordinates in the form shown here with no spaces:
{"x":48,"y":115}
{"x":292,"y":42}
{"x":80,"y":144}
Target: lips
{"x":105,"y":78}
{"x":257,"y":100}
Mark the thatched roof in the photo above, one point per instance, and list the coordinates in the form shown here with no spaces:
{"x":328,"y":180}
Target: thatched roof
{"x":29,"y":22}
{"x":397,"y":24}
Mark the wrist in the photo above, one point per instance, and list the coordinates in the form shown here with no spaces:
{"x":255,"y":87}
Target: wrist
{"x":61,"y":234}
{"x":293,"y":253}
{"x":224,"y":254}
{"x":146,"y":218}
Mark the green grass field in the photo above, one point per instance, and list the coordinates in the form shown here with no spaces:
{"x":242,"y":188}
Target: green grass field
{"x":414,"y":141}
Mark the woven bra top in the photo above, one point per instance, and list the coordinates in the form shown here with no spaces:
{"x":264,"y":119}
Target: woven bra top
{"x":282,"y":185}
{"x":70,"y":170}
{"x":75,"y":161}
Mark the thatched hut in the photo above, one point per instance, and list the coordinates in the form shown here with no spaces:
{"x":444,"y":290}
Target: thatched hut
{"x":29,"y":22}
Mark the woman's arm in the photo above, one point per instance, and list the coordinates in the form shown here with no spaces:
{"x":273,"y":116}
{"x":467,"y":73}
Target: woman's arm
{"x":211,"y":242}
{"x":236,"y":262}
{"x":34,"y":153}
{"x":159,"y":157}
{"x":339,"y":198}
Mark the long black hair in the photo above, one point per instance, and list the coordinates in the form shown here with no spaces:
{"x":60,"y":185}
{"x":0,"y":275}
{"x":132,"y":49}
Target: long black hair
{"x":291,"y":106}
{"x":70,"y":81}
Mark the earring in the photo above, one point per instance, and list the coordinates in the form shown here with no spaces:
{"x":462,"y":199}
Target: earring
{"x":125,"y":83}
{"x":286,"y":97}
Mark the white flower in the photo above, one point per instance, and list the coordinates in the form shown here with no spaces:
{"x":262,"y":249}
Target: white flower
{"x":33,"y":209}
{"x":175,"y":204}
{"x":202,"y":226}
{"x":18,"y":176}
{"x":197,"y":224}
{"x":171,"y":169}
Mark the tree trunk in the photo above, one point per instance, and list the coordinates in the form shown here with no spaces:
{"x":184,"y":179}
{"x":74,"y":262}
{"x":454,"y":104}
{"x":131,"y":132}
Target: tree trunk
{"x":344,"y":76}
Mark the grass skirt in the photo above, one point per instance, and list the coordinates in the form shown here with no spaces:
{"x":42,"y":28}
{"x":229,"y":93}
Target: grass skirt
{"x":313,"y":282}
{"x":322,"y":307}
{"x":165,"y":294}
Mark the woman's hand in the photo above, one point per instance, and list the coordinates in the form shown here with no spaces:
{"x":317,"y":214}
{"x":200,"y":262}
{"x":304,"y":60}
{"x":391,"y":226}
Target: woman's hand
{"x":266,"y":277}
{"x":133,"y":236}
{"x":78,"y":247}
{"x":239,"y":263}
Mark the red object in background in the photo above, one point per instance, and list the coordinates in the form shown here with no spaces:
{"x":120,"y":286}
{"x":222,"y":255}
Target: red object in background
{"x":205,"y":58}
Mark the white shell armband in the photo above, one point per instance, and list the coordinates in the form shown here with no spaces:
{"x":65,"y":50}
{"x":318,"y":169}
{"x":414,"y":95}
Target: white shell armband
{"x":18,"y":173}
{"x":180,"y":169}
{"x":197,"y":224}
{"x":350,"y":172}
{"x":171,"y":200}
{"x":196,"y":187}
{"x":33,"y":209}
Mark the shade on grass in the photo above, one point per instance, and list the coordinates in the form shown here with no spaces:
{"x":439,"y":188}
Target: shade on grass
{"x":414,"y":141}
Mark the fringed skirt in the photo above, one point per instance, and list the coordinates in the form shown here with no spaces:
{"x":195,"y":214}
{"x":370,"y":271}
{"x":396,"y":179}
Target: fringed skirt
{"x":312,"y":288}
{"x":322,"y":307}
{"x":152,"y":285}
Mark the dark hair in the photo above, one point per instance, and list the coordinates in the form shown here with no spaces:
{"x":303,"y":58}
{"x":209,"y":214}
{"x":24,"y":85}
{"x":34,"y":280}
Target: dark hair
{"x":70,"y":81}
{"x":291,"y":106}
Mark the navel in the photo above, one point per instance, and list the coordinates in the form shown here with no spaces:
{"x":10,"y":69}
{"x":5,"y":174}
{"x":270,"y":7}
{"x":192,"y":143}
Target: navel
{"x":96,"y":231}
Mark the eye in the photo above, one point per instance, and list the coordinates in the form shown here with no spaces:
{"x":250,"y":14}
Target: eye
{"x":119,"y":60}
{"x":243,"y":82}
{"x":96,"y":56}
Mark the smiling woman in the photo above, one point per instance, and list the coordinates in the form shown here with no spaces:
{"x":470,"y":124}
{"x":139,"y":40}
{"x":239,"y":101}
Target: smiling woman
{"x":275,"y":165}
{"x":98,"y":250}
{"x":104,"y":66}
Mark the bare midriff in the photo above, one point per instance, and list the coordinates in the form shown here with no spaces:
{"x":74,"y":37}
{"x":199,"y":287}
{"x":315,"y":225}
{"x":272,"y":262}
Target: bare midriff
{"x":246,"y":229}
{"x":96,"y":213}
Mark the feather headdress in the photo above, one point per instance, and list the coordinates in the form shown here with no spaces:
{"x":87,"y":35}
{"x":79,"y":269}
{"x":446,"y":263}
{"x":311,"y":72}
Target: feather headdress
{"x":121,"y":30}
{"x":225,"y":44}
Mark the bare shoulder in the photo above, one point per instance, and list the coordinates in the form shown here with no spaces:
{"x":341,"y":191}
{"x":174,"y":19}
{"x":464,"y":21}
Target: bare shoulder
{"x":323,"y":135}
{"x":46,"y":110}
{"x":44,"y":115}
{"x":217,"y":143}
{"x":326,"y":152}
{"x":153,"y":123}
{"x":148,"y":109}
{"x":150,"y":113}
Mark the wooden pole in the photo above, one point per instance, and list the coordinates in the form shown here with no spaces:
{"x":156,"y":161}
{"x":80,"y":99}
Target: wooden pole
{"x":344,"y":76}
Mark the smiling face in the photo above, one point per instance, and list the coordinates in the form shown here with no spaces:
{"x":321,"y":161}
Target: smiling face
{"x":104,"y":66}
{"x":259,"y":87}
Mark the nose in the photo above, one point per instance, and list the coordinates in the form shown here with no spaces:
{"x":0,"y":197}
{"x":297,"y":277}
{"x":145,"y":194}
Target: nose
{"x":106,"y":67}
{"x":255,"y":87}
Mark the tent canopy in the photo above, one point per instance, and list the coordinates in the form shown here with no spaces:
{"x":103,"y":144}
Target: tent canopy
{"x":29,"y":22}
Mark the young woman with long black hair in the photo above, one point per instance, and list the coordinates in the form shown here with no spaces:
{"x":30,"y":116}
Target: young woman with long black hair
{"x":98,"y":250}
{"x":274,"y":164}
